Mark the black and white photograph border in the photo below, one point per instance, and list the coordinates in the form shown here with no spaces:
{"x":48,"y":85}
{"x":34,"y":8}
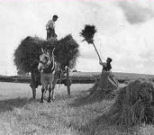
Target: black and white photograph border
{"x":76,"y":67}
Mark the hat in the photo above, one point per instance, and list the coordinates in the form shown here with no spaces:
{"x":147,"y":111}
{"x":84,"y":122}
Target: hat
{"x":55,"y":16}
{"x":110,"y":60}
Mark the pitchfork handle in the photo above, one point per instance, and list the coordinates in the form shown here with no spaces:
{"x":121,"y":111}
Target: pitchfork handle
{"x":97,"y":52}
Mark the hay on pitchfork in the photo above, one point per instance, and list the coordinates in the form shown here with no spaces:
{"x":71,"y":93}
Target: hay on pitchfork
{"x":26,"y":56}
{"x":133,"y":104}
{"x":88,"y":33}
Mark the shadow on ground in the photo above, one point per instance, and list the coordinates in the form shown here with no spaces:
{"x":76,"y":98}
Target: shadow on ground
{"x":58,"y":97}
{"x":9,"y":104}
{"x":88,"y":98}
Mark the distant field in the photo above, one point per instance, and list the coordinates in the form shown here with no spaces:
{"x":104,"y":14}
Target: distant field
{"x":118,"y":75}
{"x":82,"y":77}
{"x":19,"y":115}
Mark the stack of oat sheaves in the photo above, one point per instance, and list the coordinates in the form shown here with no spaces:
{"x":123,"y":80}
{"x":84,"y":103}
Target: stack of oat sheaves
{"x":134,"y":104}
{"x":26,"y":56}
{"x":104,"y":88}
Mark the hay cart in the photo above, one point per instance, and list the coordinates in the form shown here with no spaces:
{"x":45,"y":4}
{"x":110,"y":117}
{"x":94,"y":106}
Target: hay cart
{"x":26,"y":57}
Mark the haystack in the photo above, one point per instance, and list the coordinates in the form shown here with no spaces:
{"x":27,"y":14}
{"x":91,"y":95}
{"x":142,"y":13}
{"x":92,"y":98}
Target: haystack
{"x":28,"y":52}
{"x":134,"y":104}
{"x":104,"y":87}
{"x":66,"y":51}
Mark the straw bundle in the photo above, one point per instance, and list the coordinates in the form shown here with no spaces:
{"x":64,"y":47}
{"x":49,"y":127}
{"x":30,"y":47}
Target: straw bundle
{"x":66,"y":51}
{"x":88,"y":33}
{"x":104,"y":88}
{"x":133,"y":104}
{"x":28,"y":52}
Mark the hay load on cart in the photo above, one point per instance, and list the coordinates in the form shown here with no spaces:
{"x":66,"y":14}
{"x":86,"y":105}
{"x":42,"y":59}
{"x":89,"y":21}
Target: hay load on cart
{"x":26,"y":56}
{"x":28,"y":52}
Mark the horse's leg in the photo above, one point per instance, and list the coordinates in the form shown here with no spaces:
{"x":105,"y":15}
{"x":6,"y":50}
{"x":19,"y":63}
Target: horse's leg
{"x":53,"y":96}
{"x":51,"y":91}
{"x":42,"y":94}
{"x":53,"y":87}
{"x":49,"y":98}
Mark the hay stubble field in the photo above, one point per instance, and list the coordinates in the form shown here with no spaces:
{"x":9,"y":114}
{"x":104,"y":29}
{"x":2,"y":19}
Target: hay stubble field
{"x":19,"y":115}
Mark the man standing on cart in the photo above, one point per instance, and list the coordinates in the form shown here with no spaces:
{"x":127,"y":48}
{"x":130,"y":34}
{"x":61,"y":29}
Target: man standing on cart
{"x":50,"y":27}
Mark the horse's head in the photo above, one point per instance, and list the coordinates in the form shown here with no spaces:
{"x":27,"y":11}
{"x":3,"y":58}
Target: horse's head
{"x":42,"y":61}
{"x":46,"y":62}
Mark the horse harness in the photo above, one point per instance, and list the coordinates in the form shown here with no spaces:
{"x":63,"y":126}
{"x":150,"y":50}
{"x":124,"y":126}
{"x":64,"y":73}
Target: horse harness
{"x":48,"y":68}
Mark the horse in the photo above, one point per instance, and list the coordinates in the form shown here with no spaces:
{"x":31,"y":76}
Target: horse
{"x":48,"y":79}
{"x":36,"y":76}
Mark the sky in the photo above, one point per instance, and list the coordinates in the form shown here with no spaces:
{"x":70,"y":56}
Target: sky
{"x":125,"y":31}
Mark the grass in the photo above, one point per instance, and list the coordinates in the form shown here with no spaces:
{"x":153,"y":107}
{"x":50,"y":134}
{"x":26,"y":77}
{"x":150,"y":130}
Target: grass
{"x":19,"y":115}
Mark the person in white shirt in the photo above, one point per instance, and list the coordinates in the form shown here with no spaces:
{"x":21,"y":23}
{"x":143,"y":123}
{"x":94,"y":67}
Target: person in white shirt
{"x":50,"y":27}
